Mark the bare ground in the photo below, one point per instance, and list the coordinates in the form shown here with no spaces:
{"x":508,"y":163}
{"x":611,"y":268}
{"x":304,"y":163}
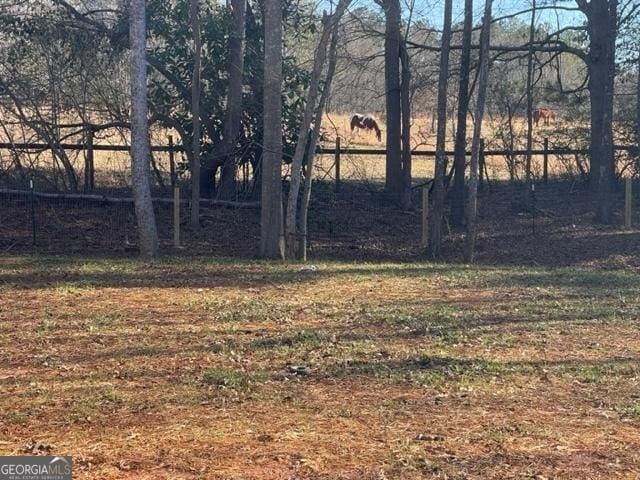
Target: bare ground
{"x":196,"y":368}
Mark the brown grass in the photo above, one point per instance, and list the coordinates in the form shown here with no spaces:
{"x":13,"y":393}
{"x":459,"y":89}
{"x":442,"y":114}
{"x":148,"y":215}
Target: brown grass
{"x":180,"y":369}
{"x":423,"y":137}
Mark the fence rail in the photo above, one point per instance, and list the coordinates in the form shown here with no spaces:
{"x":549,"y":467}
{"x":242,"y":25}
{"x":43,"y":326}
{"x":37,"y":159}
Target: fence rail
{"x":324,"y":151}
{"x":112,"y":199}
{"x":90,"y":147}
{"x":82,"y":146}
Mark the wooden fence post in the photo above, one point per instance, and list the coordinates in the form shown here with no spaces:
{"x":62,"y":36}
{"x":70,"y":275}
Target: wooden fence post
{"x":172,"y":165}
{"x":628,"y":203}
{"x":424,"y":239}
{"x":176,"y":217}
{"x":89,"y":168}
{"x":545,"y":164}
{"x":337,"y":163}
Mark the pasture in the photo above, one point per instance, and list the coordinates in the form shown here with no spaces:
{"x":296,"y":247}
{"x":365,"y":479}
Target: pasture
{"x":112,"y":169}
{"x":212,"y":369}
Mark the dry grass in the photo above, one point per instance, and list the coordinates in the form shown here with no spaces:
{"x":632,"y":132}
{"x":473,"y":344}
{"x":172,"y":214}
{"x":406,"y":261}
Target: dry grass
{"x":180,"y":369}
{"x":423,"y":137}
{"x":113,"y":168}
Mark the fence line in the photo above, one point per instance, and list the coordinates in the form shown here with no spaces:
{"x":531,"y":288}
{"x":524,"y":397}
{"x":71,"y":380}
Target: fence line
{"x":82,"y":146}
{"x":109,"y":199}
{"x":175,"y":148}
{"x":90,"y":147}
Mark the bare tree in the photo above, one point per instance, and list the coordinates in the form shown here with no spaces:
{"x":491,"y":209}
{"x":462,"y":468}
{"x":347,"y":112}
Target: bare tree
{"x":405,"y":104}
{"x":194,"y":15}
{"x":306,"y":194}
{"x":140,"y":147}
{"x":271,"y":227}
{"x":638,"y":110}
{"x":483,"y":80}
{"x":233,"y":114}
{"x":460,"y":153}
{"x":320,"y":56}
{"x":440,"y":168}
{"x":530,"y":54}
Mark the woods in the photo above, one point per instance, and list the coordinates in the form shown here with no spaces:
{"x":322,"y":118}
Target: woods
{"x":251,"y":105}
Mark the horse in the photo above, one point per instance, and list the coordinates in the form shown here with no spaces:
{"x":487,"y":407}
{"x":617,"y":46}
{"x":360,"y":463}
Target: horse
{"x":545,"y":114}
{"x":365,"y":122}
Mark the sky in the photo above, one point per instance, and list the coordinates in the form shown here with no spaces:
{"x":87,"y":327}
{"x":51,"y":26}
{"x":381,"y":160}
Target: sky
{"x":433,"y":10}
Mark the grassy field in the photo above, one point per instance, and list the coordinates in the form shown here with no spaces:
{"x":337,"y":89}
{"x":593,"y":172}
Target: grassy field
{"x":217,"y":370}
{"x":423,"y":137}
{"x":113,"y":168}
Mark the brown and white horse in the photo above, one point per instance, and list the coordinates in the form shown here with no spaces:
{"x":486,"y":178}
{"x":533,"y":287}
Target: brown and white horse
{"x":365,"y":122}
{"x":545,"y":114}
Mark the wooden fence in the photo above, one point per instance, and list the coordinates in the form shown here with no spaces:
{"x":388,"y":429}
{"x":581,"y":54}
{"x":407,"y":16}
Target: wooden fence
{"x":89,"y":147}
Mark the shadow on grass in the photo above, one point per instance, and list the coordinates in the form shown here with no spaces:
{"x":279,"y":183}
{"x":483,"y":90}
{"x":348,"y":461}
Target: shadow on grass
{"x":442,"y":368}
{"x":169,"y":272}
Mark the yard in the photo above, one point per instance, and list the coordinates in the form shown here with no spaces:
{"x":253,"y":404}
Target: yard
{"x":197,"y":368}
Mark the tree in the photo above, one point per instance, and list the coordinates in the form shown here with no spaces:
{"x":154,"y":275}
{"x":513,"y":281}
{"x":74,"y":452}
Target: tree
{"x":194,"y":16}
{"x":530,"y":54}
{"x":320,"y":55}
{"x":460,"y":150}
{"x":483,"y":80}
{"x":405,"y":104}
{"x":271,"y":227}
{"x":638,"y":107}
{"x":394,"y":175}
{"x":306,"y":194}
{"x":602,"y":27}
{"x":140,"y":147}
{"x":233,"y":114}
{"x":440,"y":168}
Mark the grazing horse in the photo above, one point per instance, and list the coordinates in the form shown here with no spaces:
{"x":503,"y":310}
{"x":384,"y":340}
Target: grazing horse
{"x":365,"y":122}
{"x":545,"y":114}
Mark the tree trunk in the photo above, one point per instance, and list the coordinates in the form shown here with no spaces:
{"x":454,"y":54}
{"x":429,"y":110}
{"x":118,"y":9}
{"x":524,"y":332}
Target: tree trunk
{"x":291,"y":223}
{"x":405,"y":97}
{"x":393,"y":180}
{"x":602,"y":17}
{"x":306,"y":194}
{"x":602,"y":30}
{"x":638,"y":113}
{"x":140,"y":148}
{"x":194,"y":14}
{"x":483,"y":80}
{"x":233,"y":115}
{"x":532,"y":32}
{"x":460,"y":153}
{"x":437,"y":211}
{"x":271,"y":227}
{"x":255,"y":104}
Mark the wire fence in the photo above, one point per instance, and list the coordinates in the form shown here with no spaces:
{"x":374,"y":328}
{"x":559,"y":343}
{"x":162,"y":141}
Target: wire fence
{"x":350,"y":216}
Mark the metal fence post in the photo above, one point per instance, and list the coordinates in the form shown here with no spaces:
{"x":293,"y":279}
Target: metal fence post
{"x":481,"y":162}
{"x":545,"y":164}
{"x":424,"y":239}
{"x":172,"y":166}
{"x":337,"y":163}
{"x":176,"y":217}
{"x":33,"y":211}
{"x":628,"y":202}
{"x":89,"y":168}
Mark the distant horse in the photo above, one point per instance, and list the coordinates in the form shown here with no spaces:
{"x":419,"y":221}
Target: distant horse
{"x":365,"y":122}
{"x":545,"y":114}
